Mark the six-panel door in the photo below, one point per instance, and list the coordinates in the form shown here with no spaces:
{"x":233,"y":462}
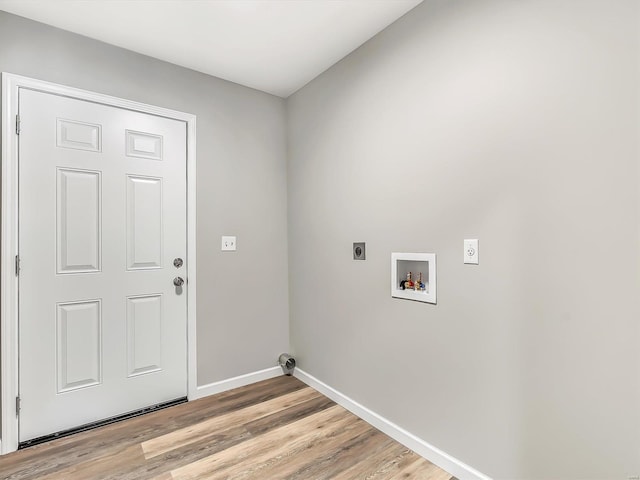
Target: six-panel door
{"x":102,"y":217}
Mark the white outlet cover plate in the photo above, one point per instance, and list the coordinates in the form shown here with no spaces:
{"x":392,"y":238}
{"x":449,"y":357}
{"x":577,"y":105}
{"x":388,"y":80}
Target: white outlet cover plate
{"x":471,"y":251}
{"x":228,"y":243}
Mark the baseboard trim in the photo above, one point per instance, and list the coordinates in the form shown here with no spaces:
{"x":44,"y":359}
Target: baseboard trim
{"x":442,"y":459}
{"x":235,"y":382}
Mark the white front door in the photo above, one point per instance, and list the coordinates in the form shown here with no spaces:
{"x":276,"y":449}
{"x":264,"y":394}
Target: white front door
{"x":102,"y":216}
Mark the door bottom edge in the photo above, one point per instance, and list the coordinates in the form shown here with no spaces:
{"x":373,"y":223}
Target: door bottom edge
{"x":100,"y":423}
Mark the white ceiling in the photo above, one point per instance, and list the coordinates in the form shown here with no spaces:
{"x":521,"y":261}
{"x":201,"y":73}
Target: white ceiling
{"x":272,"y":45}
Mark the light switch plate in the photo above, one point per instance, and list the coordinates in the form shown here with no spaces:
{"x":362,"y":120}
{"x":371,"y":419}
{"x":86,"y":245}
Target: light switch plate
{"x":471,"y":251}
{"x":228,"y":243}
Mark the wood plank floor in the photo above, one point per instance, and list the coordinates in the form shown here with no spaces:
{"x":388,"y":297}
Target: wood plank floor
{"x":271,"y":430}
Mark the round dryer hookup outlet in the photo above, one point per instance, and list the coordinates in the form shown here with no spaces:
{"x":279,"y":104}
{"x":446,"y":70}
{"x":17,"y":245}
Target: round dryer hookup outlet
{"x":287,"y":362}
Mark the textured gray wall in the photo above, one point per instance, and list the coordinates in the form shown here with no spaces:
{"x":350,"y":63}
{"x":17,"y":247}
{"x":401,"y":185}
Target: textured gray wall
{"x":515,"y":122}
{"x":241,"y":168}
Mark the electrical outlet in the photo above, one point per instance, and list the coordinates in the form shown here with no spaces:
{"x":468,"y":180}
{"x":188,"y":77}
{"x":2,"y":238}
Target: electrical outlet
{"x":471,"y":251}
{"x":228,"y":243}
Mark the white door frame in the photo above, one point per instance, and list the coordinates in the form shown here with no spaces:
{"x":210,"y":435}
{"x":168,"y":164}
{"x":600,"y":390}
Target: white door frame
{"x":9,"y":237}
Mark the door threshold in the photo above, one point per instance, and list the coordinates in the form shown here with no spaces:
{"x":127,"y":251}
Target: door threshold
{"x":100,"y":423}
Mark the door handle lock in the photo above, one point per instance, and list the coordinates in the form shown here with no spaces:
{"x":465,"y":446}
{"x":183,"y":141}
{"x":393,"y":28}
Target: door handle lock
{"x":178,"y":281}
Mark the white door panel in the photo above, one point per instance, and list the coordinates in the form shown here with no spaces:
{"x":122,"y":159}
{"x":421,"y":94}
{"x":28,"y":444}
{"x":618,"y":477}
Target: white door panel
{"x":102,"y":207}
{"x":144,"y":222}
{"x":78,"y":345}
{"x":78,"y":135}
{"x":144,"y":334}
{"x":78,"y":218}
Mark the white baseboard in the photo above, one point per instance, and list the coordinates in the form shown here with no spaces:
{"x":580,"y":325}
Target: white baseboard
{"x":235,"y":382}
{"x":434,"y":455}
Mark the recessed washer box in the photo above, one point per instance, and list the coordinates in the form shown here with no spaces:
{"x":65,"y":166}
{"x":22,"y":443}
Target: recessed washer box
{"x":413,"y":276}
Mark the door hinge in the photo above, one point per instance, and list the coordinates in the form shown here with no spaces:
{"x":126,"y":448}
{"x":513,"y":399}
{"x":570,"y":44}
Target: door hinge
{"x":17,"y":124}
{"x":17,"y":265}
{"x":17,"y":406}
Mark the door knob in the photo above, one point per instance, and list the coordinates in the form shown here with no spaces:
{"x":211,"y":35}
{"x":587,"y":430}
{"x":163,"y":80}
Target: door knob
{"x":178,"y":281}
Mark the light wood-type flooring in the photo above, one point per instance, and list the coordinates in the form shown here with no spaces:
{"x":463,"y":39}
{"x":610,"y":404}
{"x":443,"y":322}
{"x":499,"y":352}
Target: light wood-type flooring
{"x":271,"y":430}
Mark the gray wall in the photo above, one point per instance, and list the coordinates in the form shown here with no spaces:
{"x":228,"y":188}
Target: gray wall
{"x":241,"y":169}
{"x":515,"y":122}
